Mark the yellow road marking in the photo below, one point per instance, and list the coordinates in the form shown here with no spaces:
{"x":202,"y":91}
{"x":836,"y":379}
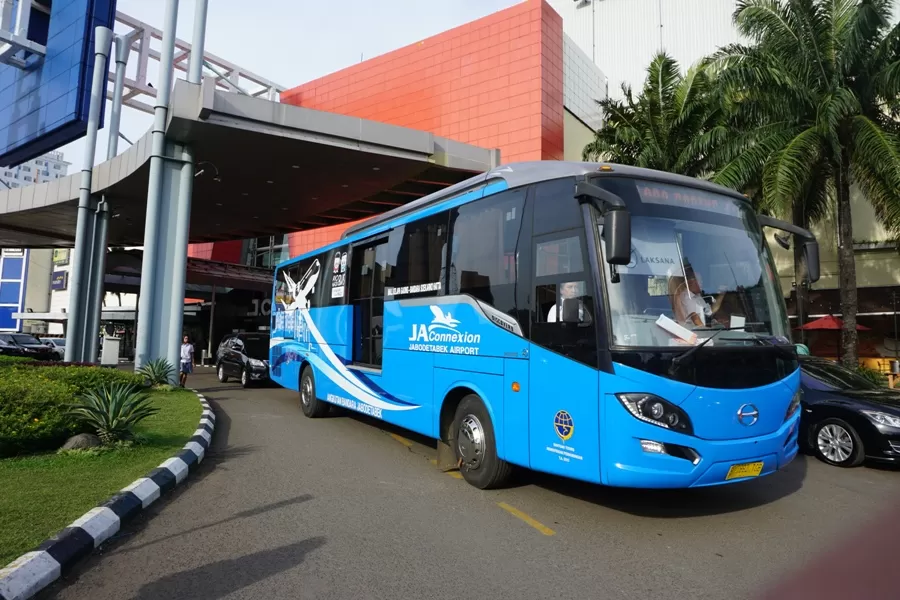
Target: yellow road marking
{"x":518,"y":513}
{"x":455,"y":474}
{"x":402,"y":440}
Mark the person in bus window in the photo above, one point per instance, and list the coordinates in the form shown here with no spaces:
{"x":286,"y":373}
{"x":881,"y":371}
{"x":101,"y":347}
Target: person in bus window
{"x":686,"y":295}
{"x":570,"y":294}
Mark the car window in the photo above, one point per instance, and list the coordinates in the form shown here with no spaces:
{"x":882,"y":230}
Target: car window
{"x":22,"y":338}
{"x":826,"y":375}
{"x":257,"y":347}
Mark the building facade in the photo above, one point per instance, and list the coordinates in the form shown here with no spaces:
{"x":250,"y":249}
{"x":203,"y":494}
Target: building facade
{"x":45,"y":168}
{"x":27,"y":276}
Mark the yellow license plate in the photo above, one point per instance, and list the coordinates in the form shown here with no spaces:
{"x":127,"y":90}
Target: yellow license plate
{"x":745,"y":470}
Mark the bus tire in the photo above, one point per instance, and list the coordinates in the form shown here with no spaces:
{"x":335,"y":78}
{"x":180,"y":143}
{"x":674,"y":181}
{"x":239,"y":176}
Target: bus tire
{"x":476,"y":447}
{"x":311,"y":406}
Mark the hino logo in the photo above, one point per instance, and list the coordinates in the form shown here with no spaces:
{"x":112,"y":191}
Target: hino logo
{"x":747,"y":415}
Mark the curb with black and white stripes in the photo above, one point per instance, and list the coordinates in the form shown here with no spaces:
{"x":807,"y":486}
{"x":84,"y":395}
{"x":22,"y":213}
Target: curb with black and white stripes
{"x":33,"y":571}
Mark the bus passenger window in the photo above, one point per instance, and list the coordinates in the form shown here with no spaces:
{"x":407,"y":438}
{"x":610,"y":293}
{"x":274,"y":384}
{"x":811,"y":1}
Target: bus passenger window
{"x":484,"y":249}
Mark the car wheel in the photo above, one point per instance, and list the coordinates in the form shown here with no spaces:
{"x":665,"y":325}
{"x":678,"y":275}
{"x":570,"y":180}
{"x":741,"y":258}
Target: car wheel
{"x":220,"y":372}
{"x":245,"y":378}
{"x":311,"y":406}
{"x":475,"y":446}
{"x":837,"y":443}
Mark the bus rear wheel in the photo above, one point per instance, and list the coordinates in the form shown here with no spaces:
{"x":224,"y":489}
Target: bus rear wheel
{"x":476,"y":447}
{"x":311,"y":406}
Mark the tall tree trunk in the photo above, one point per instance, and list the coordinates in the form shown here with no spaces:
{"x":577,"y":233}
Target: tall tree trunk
{"x":847,"y":267}
{"x":800,"y":270}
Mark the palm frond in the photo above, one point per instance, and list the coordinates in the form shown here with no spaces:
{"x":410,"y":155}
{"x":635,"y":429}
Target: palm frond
{"x":875,"y":166}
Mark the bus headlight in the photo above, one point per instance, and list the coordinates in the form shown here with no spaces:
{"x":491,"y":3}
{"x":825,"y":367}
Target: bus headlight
{"x":656,"y":411}
{"x":794,"y":405}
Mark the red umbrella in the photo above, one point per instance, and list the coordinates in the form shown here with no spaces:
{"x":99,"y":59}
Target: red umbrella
{"x":830,"y":323}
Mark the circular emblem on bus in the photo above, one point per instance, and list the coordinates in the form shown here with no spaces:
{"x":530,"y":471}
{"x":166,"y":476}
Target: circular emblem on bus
{"x":564,"y":425}
{"x":747,"y":415}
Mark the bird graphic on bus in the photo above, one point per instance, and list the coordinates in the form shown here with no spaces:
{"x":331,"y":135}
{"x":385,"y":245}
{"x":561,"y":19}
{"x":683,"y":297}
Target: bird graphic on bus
{"x":300,"y":290}
{"x":441,"y":320}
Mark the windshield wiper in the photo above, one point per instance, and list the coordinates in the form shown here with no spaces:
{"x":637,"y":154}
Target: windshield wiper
{"x":678,"y":360}
{"x":779,"y":347}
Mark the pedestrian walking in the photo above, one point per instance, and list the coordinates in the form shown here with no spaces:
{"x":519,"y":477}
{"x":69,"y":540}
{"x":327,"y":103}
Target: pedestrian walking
{"x":187,"y":359}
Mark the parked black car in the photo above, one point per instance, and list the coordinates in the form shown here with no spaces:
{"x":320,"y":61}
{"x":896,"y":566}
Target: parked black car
{"x":24,"y":344}
{"x":245,"y":356}
{"x":846,"y":417}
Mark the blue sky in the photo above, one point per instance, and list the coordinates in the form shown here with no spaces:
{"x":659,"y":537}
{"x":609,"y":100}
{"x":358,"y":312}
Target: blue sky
{"x":294,"y":41}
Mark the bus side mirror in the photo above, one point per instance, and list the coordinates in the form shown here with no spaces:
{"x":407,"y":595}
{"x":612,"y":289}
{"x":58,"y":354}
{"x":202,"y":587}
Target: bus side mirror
{"x":810,"y":245}
{"x":811,"y":251}
{"x":617,"y":234}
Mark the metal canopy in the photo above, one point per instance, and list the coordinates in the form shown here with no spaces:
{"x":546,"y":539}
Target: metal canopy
{"x":263,"y":168}
{"x":126,"y":265}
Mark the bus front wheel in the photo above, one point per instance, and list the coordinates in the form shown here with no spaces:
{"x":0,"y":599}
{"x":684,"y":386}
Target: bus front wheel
{"x":312,"y":407}
{"x":476,"y":447}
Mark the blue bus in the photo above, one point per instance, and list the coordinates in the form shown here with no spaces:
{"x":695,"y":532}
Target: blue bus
{"x":611,"y":324}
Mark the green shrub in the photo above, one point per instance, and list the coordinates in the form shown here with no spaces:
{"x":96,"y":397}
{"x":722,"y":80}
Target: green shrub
{"x":158,"y":371}
{"x":83,"y":379}
{"x":13,"y":360}
{"x":113,"y":410}
{"x":32,"y":412}
{"x":873,"y":375}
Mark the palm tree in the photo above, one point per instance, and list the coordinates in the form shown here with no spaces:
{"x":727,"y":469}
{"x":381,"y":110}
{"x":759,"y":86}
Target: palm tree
{"x":674,"y":125}
{"x":821,"y":81}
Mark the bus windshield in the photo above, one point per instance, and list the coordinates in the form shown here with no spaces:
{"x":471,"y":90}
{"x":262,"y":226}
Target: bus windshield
{"x":700,"y":266}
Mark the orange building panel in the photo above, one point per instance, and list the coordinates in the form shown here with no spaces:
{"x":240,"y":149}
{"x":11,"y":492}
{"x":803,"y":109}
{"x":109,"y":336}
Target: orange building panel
{"x":495,"y":82}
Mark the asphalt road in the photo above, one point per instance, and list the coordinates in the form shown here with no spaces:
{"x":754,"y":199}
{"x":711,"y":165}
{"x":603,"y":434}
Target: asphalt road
{"x":288,"y":507}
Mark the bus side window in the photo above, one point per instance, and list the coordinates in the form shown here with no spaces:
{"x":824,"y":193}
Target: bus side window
{"x":563,"y":312}
{"x":483,"y":252}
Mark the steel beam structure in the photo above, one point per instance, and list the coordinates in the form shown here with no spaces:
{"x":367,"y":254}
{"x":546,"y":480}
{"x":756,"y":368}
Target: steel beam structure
{"x":139,"y":94}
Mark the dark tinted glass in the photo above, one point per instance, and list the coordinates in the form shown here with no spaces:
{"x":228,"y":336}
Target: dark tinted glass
{"x":414,"y":255}
{"x":257,"y":348}
{"x":835,"y":376}
{"x":484,"y":249}
{"x":555,"y":206}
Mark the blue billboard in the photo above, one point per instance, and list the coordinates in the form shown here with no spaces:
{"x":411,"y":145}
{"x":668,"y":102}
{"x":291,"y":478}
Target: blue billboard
{"x":46,"y":106}
{"x":13,"y":274}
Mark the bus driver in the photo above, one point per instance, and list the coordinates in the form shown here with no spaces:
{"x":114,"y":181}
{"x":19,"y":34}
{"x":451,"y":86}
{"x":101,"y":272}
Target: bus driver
{"x":690,"y":307}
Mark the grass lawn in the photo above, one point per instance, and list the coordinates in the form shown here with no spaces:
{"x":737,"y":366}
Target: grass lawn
{"x":39,"y":495}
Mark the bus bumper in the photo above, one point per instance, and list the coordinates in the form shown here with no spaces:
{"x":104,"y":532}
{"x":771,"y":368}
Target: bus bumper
{"x":641,"y":455}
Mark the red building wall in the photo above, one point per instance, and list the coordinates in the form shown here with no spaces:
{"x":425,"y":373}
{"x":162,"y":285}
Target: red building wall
{"x":495,"y":82}
{"x":229,"y":252}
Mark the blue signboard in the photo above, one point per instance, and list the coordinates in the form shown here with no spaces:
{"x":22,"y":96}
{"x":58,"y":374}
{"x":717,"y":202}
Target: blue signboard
{"x":46,"y":107}
{"x":59,"y":280}
{"x":13,"y":273}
